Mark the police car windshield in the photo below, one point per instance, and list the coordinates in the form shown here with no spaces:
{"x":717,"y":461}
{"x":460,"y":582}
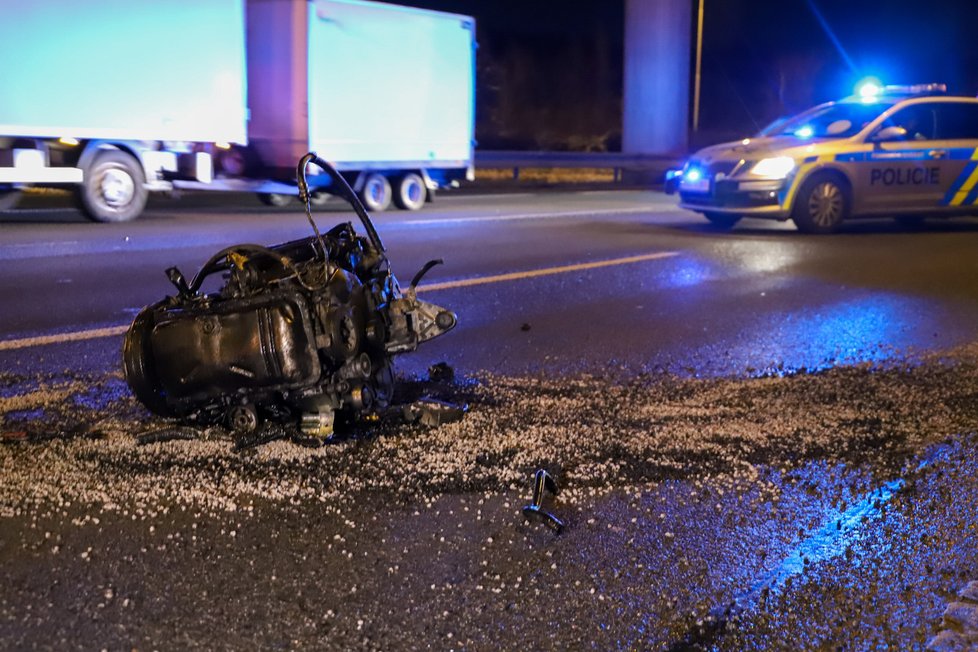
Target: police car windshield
{"x":836,"y":120}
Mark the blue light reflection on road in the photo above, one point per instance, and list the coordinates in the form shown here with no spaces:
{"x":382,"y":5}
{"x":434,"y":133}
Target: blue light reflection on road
{"x":873,"y":328}
{"x":764,"y":322}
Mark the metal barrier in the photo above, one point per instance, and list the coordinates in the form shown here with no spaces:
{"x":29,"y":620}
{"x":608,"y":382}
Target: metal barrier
{"x":643,"y":165}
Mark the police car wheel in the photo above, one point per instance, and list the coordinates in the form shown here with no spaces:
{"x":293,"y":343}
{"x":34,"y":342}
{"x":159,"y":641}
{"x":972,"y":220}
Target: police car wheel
{"x":822,"y":205}
{"x":722,"y":220}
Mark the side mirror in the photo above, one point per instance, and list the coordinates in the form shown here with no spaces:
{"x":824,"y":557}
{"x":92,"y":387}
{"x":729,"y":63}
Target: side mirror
{"x":888,"y":134}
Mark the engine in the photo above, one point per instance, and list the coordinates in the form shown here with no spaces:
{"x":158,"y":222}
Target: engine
{"x":297,"y":332}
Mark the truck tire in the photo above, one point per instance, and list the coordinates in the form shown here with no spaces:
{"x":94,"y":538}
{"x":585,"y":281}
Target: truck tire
{"x":114,"y":188}
{"x":274,"y":199}
{"x":376,"y":192}
{"x":410,"y":192}
{"x":320,"y":198}
{"x":9,"y":199}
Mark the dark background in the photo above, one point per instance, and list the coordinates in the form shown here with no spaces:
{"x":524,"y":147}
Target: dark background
{"x":550,"y":71}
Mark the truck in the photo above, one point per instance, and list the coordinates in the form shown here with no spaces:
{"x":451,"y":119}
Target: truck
{"x":115,"y":99}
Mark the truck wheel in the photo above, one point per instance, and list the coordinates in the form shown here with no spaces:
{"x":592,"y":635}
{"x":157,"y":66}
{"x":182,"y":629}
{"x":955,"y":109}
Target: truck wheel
{"x":9,"y":199}
{"x":410,"y":192}
{"x":376,"y":192}
{"x":722,"y":220}
{"x":822,"y":204}
{"x":274,"y":199}
{"x":319,"y":198}
{"x":114,"y":188}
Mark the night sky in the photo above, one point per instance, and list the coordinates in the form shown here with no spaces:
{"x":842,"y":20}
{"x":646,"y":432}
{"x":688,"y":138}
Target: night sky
{"x":762,"y":59}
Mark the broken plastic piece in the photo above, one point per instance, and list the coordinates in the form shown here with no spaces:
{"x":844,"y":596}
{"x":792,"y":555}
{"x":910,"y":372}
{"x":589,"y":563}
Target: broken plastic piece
{"x":170,"y":433}
{"x":441,"y":372}
{"x":432,"y":412}
{"x":265,"y":434}
{"x":535,"y":511}
{"x":13,"y":436}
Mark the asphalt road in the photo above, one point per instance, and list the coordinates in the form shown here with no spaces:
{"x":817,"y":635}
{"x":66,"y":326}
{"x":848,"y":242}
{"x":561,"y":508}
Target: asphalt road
{"x":760,"y":297}
{"x":764,"y":440}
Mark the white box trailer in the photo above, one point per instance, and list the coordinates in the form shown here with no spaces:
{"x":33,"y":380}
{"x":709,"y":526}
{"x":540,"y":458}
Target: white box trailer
{"x":119,"y":98}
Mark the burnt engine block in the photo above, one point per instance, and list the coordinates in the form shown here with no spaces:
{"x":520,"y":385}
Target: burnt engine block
{"x":300,"y":331}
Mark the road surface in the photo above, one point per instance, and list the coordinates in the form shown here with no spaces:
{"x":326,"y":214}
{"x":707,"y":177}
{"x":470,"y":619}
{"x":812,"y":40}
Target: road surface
{"x":763,"y":440}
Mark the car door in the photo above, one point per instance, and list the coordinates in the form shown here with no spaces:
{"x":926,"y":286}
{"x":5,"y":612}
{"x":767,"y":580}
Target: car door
{"x":956,"y":136}
{"x":905,"y":174}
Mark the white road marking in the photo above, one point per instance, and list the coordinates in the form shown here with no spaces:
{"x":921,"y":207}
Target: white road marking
{"x":112,"y":331}
{"x":530,"y":216}
{"x":547,"y":271}
{"x":27,"y":342}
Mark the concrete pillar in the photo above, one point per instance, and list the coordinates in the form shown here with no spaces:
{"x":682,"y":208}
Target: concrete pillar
{"x":658,"y":42}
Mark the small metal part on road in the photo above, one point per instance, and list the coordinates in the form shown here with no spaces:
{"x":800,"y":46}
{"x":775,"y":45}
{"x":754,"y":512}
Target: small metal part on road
{"x":441,"y":372}
{"x":542,"y":481}
{"x":169,"y":433}
{"x":432,"y":412}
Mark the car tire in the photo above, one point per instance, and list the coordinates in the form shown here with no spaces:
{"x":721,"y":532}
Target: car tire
{"x":822,"y":204}
{"x":410,"y":192}
{"x":376,"y":192}
{"x":114,"y":188}
{"x":723,"y":221}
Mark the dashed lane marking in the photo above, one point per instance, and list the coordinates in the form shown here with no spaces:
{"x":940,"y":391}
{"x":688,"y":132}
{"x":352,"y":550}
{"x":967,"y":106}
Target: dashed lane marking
{"x":529,"y":216}
{"x":77,"y":336}
{"x":548,"y":271}
{"x":112,"y":331}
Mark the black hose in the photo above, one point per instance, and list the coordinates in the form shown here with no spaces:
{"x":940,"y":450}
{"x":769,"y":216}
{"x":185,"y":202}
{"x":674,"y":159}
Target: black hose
{"x":424,"y":270}
{"x":217,"y":262}
{"x":345,"y":191}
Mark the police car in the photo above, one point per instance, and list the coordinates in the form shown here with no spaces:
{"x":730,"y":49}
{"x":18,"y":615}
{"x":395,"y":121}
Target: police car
{"x":905,"y":152}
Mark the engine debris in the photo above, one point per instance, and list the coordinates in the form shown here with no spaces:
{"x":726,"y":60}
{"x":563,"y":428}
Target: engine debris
{"x":298,"y":333}
{"x":169,"y":433}
{"x":535,"y":511}
{"x":432,"y":412}
{"x":441,"y":372}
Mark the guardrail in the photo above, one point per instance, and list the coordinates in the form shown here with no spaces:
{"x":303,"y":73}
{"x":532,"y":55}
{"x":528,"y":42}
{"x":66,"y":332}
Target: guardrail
{"x":623,"y":165}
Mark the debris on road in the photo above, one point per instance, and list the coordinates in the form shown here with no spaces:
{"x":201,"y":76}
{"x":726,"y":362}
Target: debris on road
{"x":299,"y":332}
{"x":683,"y":493}
{"x":960,"y":622}
{"x":13,"y":436}
{"x":432,"y":412}
{"x":542,"y":481}
{"x":441,"y":372}
{"x":168,"y":433}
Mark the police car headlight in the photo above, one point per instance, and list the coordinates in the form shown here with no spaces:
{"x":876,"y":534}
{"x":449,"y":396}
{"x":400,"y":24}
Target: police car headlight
{"x":777,"y":167}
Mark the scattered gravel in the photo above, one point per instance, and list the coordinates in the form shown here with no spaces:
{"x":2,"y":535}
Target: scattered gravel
{"x":679,"y":493}
{"x":591,"y":433}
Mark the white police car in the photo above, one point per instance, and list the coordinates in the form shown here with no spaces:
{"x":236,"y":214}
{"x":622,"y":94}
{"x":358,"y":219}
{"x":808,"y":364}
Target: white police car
{"x":905,"y":152}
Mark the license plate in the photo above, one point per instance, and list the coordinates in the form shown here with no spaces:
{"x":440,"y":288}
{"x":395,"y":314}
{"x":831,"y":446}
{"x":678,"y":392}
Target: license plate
{"x":699,"y":185}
